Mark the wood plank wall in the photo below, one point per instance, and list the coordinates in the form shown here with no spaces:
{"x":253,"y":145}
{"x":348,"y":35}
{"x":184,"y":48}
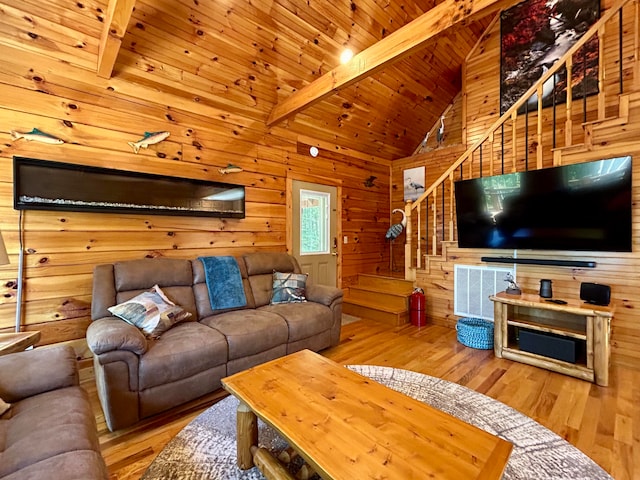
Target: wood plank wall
{"x":97,"y":118}
{"x":614,"y":269}
{"x":436,"y":159}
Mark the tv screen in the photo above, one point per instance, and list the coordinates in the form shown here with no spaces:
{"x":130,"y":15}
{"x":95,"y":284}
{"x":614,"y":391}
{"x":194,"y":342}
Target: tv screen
{"x":584,"y":206}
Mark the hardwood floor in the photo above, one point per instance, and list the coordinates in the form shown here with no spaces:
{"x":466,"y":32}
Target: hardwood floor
{"x":602,"y":422}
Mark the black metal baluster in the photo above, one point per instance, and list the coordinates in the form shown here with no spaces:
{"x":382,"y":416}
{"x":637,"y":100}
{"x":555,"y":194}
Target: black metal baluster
{"x":620,"y":23}
{"x":553,"y":97}
{"x":526,"y":136}
{"x":502,"y":147}
{"x":584,"y":85}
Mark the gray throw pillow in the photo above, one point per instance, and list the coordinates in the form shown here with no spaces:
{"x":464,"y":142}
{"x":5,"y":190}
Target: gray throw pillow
{"x":289,"y":287}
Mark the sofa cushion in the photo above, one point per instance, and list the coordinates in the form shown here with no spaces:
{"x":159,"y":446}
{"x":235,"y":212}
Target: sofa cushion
{"x":37,"y":371}
{"x":151,"y":311}
{"x":260,"y":268}
{"x":266,"y":262}
{"x":303,"y":319}
{"x":76,"y":465}
{"x":174,"y":276}
{"x":289,"y":288}
{"x":185,"y":350}
{"x":46,"y":425}
{"x":144,"y":273}
{"x":249,"y":331}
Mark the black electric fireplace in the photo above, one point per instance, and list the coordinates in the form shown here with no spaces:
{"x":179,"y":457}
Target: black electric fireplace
{"x":47,"y":185}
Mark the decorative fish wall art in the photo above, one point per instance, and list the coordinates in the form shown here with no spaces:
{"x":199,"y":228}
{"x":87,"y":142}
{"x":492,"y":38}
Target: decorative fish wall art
{"x":36,"y":135}
{"x":230,"y":168}
{"x":150,"y":138}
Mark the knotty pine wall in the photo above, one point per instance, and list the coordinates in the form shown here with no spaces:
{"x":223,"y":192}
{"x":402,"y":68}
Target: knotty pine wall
{"x":97,"y":118}
{"x":436,"y":159}
{"x":615,"y":269}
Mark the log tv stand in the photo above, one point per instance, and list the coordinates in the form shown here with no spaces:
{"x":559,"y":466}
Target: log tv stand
{"x":581,"y":326}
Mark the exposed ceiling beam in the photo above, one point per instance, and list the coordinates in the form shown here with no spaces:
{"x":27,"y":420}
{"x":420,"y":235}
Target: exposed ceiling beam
{"x":400,"y":44}
{"x":118,"y":16}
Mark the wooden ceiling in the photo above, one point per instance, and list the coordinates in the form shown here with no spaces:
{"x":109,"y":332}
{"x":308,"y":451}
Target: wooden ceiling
{"x":245,"y":57}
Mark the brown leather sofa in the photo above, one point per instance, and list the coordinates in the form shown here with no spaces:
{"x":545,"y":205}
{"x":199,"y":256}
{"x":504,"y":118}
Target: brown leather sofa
{"x":50,"y":430}
{"x":138,"y":377}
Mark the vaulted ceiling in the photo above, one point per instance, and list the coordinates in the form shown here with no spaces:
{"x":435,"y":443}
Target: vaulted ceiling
{"x":244,"y":57}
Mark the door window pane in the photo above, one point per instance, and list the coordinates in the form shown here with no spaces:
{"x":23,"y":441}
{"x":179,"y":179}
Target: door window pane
{"x":314,"y":222}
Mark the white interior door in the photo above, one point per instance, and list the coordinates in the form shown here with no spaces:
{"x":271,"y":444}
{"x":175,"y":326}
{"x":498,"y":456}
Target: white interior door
{"x":315,"y":244}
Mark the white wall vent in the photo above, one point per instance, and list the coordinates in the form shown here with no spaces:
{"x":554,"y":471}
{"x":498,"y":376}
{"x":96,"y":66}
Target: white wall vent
{"x":473,"y":285}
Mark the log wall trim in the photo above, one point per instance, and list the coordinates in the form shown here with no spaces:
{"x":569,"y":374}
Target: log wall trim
{"x":118,"y":15}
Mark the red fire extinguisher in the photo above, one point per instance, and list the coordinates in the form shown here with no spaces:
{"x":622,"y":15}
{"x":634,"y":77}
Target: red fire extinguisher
{"x":417,"y":311}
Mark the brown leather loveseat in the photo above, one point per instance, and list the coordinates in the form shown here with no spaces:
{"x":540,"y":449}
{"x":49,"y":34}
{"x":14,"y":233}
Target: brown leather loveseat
{"x":138,"y":377}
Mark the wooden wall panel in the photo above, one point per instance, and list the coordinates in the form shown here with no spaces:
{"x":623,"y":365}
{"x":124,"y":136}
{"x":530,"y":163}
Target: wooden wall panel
{"x":97,"y":118}
{"x":436,"y":162}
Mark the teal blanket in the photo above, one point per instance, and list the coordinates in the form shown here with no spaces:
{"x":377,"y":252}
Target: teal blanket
{"x":224,"y":282}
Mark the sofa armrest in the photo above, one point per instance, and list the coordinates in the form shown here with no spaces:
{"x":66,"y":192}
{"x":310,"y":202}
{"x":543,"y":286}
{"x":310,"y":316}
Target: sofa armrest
{"x":29,"y":373}
{"x":323,"y":294}
{"x":110,"y":333}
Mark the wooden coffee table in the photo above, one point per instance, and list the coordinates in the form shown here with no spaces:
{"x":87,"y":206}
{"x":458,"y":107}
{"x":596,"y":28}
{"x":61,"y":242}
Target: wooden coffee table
{"x":347,"y":426}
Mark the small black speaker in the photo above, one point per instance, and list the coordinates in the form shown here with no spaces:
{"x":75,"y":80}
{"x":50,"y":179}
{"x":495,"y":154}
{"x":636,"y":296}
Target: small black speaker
{"x":595,"y":293}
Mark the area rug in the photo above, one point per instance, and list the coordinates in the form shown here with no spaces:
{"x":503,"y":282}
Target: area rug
{"x":206,"y":448}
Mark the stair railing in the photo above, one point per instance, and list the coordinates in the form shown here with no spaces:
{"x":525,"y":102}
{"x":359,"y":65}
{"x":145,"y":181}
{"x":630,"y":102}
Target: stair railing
{"x":440,"y":217}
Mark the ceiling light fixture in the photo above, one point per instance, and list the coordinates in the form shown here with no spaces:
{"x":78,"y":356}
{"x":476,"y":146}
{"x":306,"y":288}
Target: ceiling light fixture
{"x":346,"y":55}
{"x":313,"y":151}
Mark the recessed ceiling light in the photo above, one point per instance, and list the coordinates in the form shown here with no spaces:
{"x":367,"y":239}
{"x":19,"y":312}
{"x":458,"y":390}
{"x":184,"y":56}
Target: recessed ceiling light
{"x":346,"y":55}
{"x":313,"y":151}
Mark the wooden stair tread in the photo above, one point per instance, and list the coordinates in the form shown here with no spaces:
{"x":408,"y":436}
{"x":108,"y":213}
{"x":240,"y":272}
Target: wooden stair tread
{"x":607,"y":122}
{"x":571,"y":148}
{"x":384,"y":277}
{"x":373,"y":305}
{"x":388,"y":318}
{"x":369,"y":279}
{"x":368,"y":288}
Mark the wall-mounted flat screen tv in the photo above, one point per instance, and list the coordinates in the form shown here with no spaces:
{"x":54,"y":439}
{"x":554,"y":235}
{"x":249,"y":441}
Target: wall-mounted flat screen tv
{"x":46,"y":185}
{"x":584,"y":206}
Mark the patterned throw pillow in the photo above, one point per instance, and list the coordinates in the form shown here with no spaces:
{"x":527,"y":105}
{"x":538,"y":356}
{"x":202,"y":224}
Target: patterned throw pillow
{"x":289,"y":287}
{"x":151,"y":311}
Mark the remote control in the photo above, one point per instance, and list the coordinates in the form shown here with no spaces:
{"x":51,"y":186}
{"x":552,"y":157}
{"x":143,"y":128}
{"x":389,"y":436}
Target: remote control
{"x":556,"y":300}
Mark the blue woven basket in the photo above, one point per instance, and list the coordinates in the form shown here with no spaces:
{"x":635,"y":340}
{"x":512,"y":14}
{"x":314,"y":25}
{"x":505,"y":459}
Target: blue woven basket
{"x":475,"y":333}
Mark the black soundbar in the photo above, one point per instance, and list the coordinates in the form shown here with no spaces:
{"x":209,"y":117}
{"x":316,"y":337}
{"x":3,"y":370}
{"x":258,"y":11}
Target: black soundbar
{"x":540,"y":261}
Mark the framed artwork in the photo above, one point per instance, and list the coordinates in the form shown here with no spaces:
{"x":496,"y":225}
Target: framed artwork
{"x":536,"y":33}
{"x":413,"y":183}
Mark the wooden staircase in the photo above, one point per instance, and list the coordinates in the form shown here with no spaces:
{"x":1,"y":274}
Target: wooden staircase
{"x":384,"y":299}
{"x":517,"y":142}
